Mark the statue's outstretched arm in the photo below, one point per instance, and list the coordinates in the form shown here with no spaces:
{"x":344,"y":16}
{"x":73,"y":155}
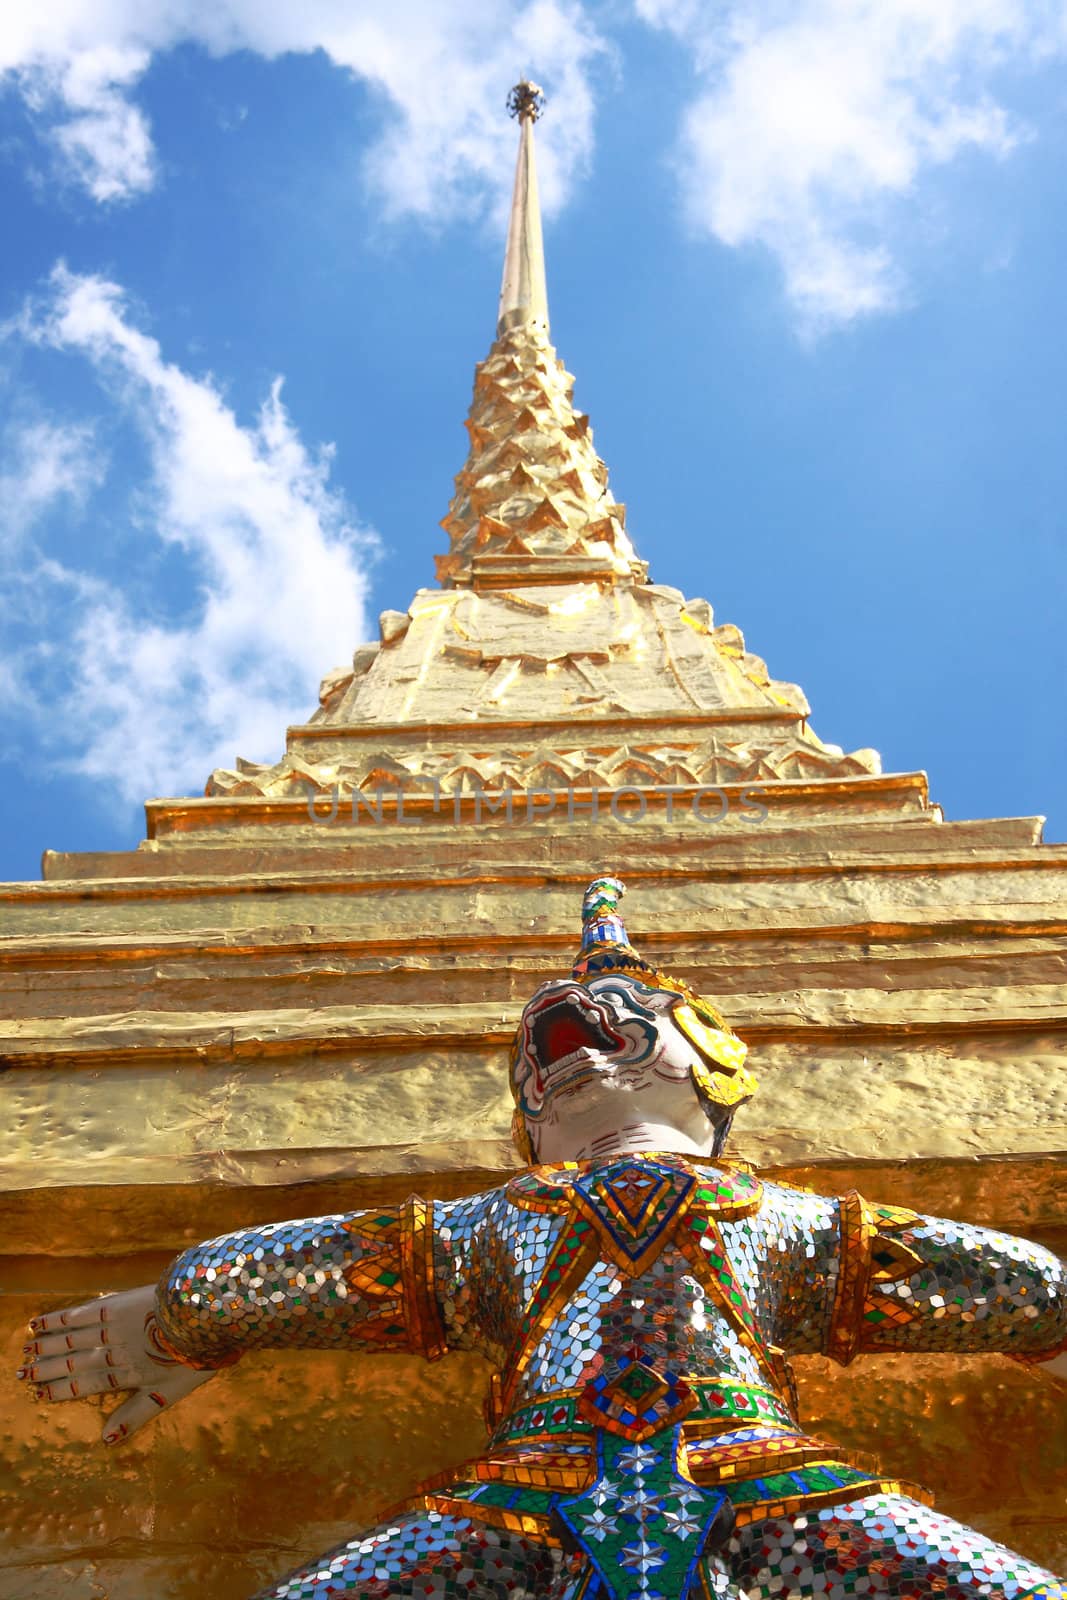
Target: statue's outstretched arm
{"x":361,"y":1280}
{"x":909,"y":1282}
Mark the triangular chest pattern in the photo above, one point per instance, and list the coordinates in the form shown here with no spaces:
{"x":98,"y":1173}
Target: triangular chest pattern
{"x":636,"y":1203}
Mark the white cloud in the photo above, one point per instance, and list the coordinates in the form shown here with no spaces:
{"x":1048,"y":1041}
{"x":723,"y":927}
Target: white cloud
{"x":441,"y":69}
{"x":103,"y":139}
{"x":150,"y":703}
{"x":43,"y":461}
{"x":817,"y":119}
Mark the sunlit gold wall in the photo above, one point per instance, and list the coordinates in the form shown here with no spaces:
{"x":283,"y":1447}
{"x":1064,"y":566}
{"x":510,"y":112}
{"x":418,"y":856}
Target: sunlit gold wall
{"x":258,"y":1017}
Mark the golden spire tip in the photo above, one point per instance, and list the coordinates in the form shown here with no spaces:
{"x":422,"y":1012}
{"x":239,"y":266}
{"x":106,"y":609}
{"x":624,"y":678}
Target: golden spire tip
{"x":523,"y":296}
{"x":526,"y":101}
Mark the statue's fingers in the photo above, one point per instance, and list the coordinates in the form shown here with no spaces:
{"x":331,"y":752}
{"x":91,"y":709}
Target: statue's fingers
{"x":45,"y":1371}
{"x":75,"y":1364}
{"x":88,"y":1315}
{"x":60,"y":1344}
{"x":133,"y":1414}
{"x":97,"y":1381}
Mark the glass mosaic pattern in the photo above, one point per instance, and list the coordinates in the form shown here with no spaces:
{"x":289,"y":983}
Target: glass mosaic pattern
{"x":640,"y":1312}
{"x":433,"y":1557}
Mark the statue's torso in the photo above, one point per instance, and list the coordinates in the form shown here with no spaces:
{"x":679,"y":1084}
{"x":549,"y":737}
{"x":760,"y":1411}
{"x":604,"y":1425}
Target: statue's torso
{"x":639,"y":1301}
{"x":572,"y":1269}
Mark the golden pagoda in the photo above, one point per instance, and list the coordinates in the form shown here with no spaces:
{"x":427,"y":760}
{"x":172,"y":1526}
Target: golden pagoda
{"x":296,"y":996}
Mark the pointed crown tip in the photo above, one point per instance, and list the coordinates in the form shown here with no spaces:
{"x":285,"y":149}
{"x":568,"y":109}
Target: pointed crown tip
{"x":606,"y":945}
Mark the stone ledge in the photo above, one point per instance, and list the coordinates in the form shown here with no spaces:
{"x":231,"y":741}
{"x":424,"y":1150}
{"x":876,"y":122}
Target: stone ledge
{"x":836,"y":1015}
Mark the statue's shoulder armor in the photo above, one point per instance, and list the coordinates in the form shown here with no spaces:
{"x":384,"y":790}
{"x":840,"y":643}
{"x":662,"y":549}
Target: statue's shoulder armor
{"x":788,"y":1199}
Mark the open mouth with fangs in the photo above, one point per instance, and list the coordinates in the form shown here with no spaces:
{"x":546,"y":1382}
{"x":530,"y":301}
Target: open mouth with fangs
{"x":566,"y":1034}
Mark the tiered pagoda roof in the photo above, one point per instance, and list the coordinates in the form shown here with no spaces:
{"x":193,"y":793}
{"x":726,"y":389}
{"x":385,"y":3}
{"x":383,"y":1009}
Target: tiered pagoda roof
{"x":546,"y":658}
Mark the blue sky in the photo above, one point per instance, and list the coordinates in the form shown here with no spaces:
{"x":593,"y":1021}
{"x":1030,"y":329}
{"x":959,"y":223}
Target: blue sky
{"x":806,"y":261}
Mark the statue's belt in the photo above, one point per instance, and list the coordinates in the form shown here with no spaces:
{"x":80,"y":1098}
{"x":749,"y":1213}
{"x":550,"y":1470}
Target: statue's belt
{"x":707,"y":1462}
{"x":706,"y":1405}
{"x":704,"y":1455}
{"x":655,"y":1508}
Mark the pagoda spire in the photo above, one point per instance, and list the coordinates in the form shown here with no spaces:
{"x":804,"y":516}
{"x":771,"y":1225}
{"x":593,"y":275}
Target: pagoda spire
{"x":532,"y":503}
{"x":523,"y":292}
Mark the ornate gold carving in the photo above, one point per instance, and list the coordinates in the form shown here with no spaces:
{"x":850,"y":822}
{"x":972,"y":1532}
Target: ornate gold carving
{"x":712,"y":762}
{"x":532,"y":473}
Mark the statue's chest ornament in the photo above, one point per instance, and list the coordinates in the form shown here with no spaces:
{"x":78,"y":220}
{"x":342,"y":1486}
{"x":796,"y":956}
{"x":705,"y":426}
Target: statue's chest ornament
{"x":626,"y":1212}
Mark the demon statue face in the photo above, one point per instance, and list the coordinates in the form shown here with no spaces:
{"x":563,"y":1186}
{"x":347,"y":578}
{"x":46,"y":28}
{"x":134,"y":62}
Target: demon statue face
{"x":621,"y":1056}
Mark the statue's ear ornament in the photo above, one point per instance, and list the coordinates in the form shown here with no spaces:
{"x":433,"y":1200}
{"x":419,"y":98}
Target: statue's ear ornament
{"x":719,"y":1073}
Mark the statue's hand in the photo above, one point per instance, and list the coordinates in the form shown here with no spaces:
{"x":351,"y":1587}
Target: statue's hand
{"x":110,"y":1343}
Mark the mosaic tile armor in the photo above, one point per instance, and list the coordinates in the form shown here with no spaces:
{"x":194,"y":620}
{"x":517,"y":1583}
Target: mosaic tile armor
{"x":640,"y":1312}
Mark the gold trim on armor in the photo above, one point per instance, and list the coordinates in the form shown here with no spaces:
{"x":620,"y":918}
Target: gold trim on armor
{"x":542,"y":1529}
{"x":720,"y":1463}
{"x":422,"y":1315}
{"x":491,"y":1516}
{"x":857,"y":1236}
{"x":549,"y":1469}
{"x":864,"y":1284}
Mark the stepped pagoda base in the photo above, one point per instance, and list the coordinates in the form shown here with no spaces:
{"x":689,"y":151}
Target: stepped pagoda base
{"x":258,"y":1016}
